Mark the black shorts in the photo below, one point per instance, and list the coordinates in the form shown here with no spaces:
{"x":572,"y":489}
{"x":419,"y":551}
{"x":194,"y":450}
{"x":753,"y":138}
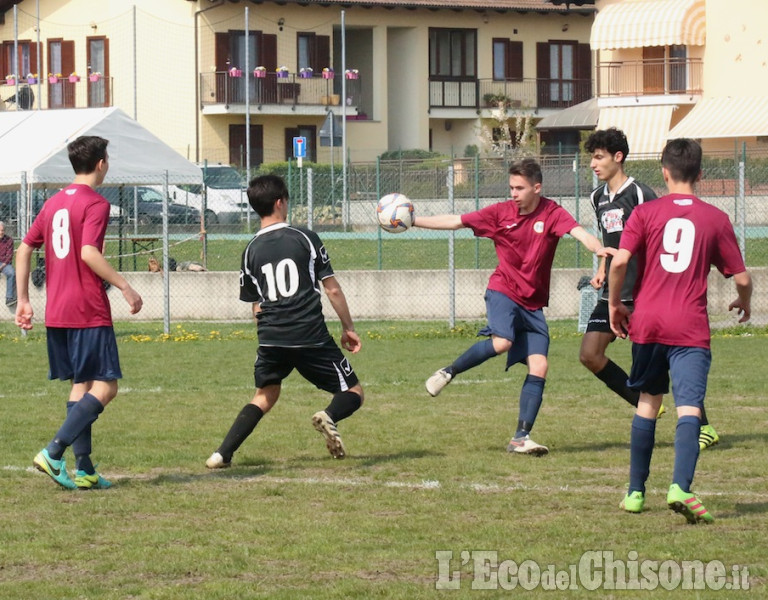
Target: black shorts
{"x":324,"y":366}
{"x":599,"y":320}
{"x":87,"y":354}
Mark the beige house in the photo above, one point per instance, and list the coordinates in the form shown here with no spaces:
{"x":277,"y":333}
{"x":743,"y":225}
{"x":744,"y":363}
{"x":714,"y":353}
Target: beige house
{"x":406,"y":74}
{"x":682,"y":68}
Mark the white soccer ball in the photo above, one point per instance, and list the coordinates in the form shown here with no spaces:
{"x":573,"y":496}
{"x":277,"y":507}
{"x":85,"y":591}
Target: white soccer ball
{"x":395,"y":213}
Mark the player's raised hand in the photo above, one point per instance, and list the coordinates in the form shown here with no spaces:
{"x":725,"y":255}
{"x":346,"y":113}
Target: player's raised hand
{"x":350,"y":341}
{"x":24,"y":314}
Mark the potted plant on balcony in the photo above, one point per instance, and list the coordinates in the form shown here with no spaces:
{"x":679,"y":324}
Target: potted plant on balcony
{"x":94,"y":77}
{"x":31,"y":78}
{"x":54,"y":77}
{"x":235,"y":72}
{"x":74,"y":77}
{"x":327,"y":73}
{"x":497,"y":100}
{"x":282,"y":72}
{"x":306,"y":73}
{"x":10,"y":79}
{"x":260,"y":72}
{"x":351,"y":73}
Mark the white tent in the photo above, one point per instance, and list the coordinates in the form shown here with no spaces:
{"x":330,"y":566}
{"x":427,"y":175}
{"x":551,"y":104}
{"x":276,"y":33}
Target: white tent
{"x":35,"y":143}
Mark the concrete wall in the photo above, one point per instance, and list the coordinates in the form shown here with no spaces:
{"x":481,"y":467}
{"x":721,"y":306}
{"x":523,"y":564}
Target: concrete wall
{"x":371,"y":295}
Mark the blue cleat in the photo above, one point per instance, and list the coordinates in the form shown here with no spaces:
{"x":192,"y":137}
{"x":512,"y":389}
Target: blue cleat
{"x":83,"y":481}
{"x":56,"y":469}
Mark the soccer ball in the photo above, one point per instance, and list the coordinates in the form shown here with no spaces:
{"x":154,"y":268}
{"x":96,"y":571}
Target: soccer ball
{"x":395,"y":213}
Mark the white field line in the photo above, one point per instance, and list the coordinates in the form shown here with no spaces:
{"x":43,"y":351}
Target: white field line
{"x":425,"y":484}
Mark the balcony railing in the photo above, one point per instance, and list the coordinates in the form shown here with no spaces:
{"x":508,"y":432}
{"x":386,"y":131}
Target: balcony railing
{"x":61,"y":92}
{"x":221,"y":88}
{"x":524,"y":93}
{"x":650,"y":77}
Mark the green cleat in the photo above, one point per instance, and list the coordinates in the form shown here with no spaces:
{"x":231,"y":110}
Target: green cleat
{"x":707,"y":437}
{"x":661,"y":412}
{"x":688,"y":505}
{"x":83,"y":481}
{"x":56,"y":469}
{"x":633,"y":503}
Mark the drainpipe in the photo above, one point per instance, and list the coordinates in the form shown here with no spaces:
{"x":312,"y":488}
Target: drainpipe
{"x":197,"y":81}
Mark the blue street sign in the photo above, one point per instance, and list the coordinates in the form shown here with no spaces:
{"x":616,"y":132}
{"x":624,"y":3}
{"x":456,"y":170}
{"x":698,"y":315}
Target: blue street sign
{"x":299,"y":147}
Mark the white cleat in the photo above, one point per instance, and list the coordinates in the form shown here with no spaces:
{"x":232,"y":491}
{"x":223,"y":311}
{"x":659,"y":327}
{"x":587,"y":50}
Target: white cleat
{"x":323,"y":423}
{"x":526,"y":445}
{"x":437,"y":381}
{"x":216,"y":461}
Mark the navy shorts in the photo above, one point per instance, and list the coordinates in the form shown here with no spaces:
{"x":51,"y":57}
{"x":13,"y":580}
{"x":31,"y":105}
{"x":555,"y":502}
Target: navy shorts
{"x":88,"y":354}
{"x":526,"y":329}
{"x":654,"y":364}
{"x":599,"y":319}
{"x":323,"y":366}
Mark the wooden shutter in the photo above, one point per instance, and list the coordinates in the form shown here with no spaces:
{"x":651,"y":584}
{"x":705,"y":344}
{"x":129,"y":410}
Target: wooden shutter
{"x":322,"y":54}
{"x":515,"y":61}
{"x":542,"y":73}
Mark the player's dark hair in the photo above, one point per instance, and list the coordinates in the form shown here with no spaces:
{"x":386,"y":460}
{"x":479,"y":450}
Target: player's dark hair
{"x":264,"y":191}
{"x":681,"y":157}
{"x":613,"y":140}
{"x":527,"y":168}
{"x":85,"y":153}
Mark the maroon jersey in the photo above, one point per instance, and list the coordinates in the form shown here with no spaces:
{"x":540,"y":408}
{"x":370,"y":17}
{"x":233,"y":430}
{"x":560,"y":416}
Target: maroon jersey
{"x":676,"y":239}
{"x":525,"y":246}
{"x":75,"y":217}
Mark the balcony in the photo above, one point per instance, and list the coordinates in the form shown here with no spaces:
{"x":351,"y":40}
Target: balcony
{"x":657,"y":77}
{"x":220,"y":92}
{"x":524,"y":93}
{"x":62,"y":92}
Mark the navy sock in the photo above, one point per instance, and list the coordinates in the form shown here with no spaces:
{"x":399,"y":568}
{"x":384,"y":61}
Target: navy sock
{"x":244,"y":424}
{"x":342,"y":405}
{"x":477,"y":354}
{"x":615,"y":378}
{"x":81,"y":415}
{"x":531,"y":397}
{"x":82,"y":447}
{"x":641,"y":444}
{"x":686,"y":451}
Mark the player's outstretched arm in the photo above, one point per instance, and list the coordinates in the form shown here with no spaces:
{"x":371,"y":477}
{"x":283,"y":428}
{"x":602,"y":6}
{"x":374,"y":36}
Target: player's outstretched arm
{"x":590,"y":242}
{"x":95,"y":260}
{"x":743,"y":283}
{"x":349,"y":339}
{"x":24,"y":312}
{"x":618,"y":313}
{"x":438,"y":222}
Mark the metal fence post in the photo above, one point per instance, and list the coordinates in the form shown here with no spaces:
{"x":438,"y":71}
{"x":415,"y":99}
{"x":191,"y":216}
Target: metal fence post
{"x":451,"y":254}
{"x":310,"y":199}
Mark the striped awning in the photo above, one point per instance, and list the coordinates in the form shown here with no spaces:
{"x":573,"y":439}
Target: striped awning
{"x":639,"y":23}
{"x":646,"y":127}
{"x":724,"y":118}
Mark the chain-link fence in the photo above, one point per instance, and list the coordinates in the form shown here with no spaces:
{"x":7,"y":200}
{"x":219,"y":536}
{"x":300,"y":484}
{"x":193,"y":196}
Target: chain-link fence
{"x":420,"y":274}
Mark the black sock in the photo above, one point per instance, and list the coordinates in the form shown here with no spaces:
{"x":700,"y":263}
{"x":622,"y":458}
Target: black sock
{"x":704,"y":420}
{"x":343,"y":405}
{"x":244,"y":424}
{"x":615,"y":378}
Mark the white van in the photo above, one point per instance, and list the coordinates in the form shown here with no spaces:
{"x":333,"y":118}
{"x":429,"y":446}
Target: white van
{"x":226,"y":199}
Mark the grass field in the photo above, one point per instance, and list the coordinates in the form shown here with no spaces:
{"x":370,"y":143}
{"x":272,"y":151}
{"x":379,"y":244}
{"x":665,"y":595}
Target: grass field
{"x":424,"y":475}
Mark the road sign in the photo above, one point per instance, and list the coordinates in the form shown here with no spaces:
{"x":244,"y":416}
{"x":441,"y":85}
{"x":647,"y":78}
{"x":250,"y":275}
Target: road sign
{"x":299,"y":147}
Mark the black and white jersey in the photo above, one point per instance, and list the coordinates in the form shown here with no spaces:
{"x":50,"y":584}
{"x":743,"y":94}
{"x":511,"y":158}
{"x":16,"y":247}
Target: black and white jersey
{"x":281,"y":270}
{"x":612,"y":214}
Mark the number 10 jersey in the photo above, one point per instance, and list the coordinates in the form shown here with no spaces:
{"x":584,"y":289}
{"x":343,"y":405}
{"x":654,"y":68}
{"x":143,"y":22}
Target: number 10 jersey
{"x":281,"y":270}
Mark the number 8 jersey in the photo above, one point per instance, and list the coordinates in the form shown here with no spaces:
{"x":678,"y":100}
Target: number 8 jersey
{"x":75,"y":217}
{"x":676,"y":239}
{"x":281,"y":270}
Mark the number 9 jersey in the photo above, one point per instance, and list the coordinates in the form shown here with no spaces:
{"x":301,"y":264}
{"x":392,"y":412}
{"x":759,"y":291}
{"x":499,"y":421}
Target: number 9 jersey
{"x":281,"y":270}
{"x":676,"y":239}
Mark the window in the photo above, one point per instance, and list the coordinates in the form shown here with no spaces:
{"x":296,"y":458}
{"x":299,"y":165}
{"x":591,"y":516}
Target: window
{"x":98,"y":62}
{"x":563,"y":72}
{"x":677,"y":69}
{"x":25,"y":62}
{"x":507,"y":60}
{"x":307,"y":131}
{"x":237,"y":153}
{"x":61,"y":59}
{"x":230,"y":52}
{"x":313,"y":51}
{"x":452,"y":53}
